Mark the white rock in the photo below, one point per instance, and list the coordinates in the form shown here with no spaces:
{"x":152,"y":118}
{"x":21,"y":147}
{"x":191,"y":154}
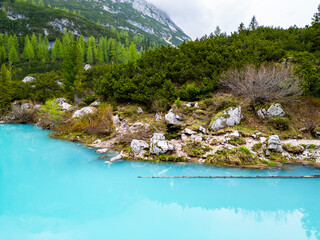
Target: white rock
{"x":95,"y":103}
{"x":189,"y":131}
{"x":28,"y":79}
{"x":262,"y":113}
{"x":263,"y":139}
{"x":159,"y":145}
{"x":87,"y":67}
{"x":158,"y":117}
{"x":138,"y":145}
{"x":25,"y":106}
{"x":172,"y":119}
{"x":232,"y":117}
{"x":83,"y":112}
{"x":203,"y":130}
{"x":275,"y":110}
{"x":274,"y":144}
{"x":97,"y":142}
{"x":139,"y":110}
{"x":62,"y":102}
{"x":196,"y":137}
{"x":102,"y":150}
{"x":184,"y":138}
{"x":114,"y":159}
{"x":116,"y":119}
{"x":59,"y":83}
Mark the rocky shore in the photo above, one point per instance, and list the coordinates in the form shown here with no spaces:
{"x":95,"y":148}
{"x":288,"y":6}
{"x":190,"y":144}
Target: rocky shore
{"x":189,"y":133}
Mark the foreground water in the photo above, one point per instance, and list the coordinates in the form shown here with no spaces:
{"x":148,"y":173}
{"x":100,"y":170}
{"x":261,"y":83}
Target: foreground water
{"x":55,"y":190}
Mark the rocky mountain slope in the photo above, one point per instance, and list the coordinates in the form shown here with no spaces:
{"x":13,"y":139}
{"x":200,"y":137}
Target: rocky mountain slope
{"x":137,"y":16}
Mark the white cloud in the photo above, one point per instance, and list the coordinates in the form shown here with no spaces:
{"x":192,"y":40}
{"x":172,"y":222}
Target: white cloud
{"x":200,"y":17}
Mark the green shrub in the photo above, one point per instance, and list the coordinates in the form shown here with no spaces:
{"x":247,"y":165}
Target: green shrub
{"x":279,"y":123}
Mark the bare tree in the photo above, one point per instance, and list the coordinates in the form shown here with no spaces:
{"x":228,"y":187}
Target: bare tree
{"x":269,"y":82}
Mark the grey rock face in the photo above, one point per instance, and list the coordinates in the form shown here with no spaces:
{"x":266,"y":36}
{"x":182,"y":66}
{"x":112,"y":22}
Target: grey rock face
{"x":159,"y":145}
{"x":231,"y":118}
{"x":138,"y":145}
{"x":84,"y":112}
{"x":62,"y":102}
{"x":262,"y":113}
{"x":275,"y":110}
{"x":274,"y":144}
{"x":172,"y":119}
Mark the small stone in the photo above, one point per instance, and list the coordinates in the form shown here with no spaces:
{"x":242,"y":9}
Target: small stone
{"x":189,"y":131}
{"x":158,"y":117}
{"x":102,"y":150}
{"x":84,"y":112}
{"x":139,"y":110}
{"x":268,"y":153}
{"x":87,"y":67}
{"x":95,"y":104}
{"x":203,"y":130}
{"x":97,"y":142}
{"x":275,"y":110}
{"x":263,"y":139}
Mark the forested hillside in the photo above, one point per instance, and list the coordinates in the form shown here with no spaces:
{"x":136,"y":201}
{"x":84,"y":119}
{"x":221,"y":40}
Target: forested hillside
{"x":160,"y":76}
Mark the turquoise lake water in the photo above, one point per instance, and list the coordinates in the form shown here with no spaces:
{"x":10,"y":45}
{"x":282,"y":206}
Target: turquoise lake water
{"x":56,"y":190}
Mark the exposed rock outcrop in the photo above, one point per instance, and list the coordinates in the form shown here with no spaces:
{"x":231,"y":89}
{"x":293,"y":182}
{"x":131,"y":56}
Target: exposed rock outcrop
{"x":84,"y":112}
{"x":274,"y":144}
{"x":159,"y":145}
{"x":173,"y":120}
{"x":138,"y":145}
{"x":275,"y":110}
{"x":229,"y":118}
{"x":62,"y":102}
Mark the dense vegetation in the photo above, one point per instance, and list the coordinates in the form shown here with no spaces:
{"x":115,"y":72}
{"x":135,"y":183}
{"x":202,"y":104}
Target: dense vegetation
{"x":159,"y":77}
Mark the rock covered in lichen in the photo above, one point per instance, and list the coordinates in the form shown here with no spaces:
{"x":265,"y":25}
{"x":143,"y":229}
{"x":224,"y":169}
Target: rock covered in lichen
{"x":229,"y":118}
{"x":159,"y":145}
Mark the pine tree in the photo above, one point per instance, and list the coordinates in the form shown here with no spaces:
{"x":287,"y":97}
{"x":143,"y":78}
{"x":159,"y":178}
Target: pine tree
{"x":57,"y":51}
{"x":71,"y":67}
{"x":13,"y":55}
{"x":133,"y":53}
{"x":5,"y":88}
{"x":89,"y":54}
{"x":40,"y":3}
{"x":34,"y":43}
{"x":28,"y":51}
{"x":3,"y":54}
{"x":253,"y":23}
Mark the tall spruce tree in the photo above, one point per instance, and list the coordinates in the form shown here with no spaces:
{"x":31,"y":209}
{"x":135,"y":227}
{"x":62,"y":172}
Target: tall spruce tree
{"x":71,"y":68}
{"x":5,"y":88}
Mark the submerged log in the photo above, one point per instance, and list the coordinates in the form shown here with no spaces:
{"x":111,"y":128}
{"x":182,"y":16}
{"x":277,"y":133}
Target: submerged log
{"x":239,"y":177}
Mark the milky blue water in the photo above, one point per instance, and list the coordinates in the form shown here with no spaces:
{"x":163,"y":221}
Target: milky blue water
{"x":56,"y":190}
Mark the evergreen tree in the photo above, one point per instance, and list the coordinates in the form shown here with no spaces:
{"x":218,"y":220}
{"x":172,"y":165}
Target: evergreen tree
{"x":34,"y":43}
{"x":28,"y":51}
{"x":253,"y":23}
{"x":71,"y":67}
{"x":57,"y":51}
{"x":5,"y":88}
{"x":3,"y":54}
{"x":133,"y":53}
{"x":89,"y":54}
{"x":13,"y":55}
{"x":40,"y":3}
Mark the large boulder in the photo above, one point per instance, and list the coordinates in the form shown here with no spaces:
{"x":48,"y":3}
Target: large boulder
{"x":84,"y":112}
{"x":138,"y":145}
{"x":172,"y":119}
{"x":229,"y":118}
{"x":275,"y":110}
{"x":159,"y":145}
{"x":62,"y":102}
{"x":274,"y":144}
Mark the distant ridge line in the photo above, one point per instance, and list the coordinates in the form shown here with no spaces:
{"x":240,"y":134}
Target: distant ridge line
{"x":236,"y":177}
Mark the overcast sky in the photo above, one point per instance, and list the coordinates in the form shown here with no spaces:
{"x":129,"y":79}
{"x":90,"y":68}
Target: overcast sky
{"x":200,"y":17}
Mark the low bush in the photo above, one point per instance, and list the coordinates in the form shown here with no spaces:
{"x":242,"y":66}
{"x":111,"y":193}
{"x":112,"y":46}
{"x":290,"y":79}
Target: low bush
{"x":279,"y":123}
